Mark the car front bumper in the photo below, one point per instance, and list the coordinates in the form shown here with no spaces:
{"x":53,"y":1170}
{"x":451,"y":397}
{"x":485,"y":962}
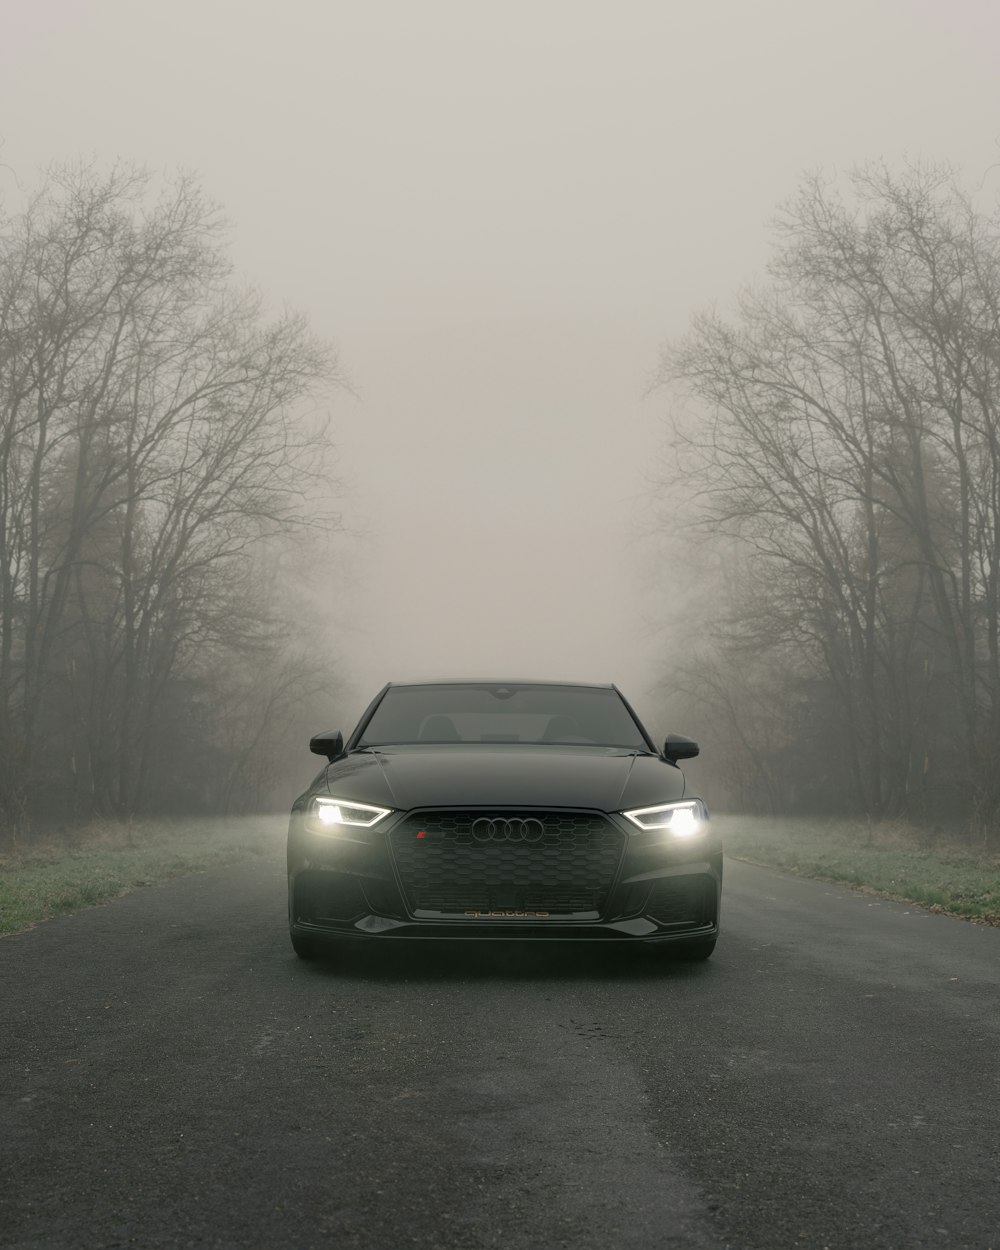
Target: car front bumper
{"x":358,"y":886}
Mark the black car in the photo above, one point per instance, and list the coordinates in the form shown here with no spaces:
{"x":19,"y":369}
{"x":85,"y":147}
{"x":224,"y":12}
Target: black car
{"x":499,"y":810}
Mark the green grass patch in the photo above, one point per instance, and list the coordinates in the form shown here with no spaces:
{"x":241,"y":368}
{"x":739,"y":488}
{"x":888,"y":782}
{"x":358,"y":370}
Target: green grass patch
{"x":891,"y":859}
{"x":102,"y":862}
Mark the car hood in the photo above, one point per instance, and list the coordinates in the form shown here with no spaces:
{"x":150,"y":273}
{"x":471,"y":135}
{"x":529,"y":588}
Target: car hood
{"x":471,"y":775}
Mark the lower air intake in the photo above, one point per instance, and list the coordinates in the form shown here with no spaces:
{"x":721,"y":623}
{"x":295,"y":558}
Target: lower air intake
{"x":323,"y":896}
{"x":684,"y":901}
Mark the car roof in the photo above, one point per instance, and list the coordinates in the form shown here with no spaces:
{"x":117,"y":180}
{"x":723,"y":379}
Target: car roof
{"x":502,"y":681}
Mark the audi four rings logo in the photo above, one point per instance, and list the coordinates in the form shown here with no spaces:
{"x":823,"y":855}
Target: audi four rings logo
{"x":500,"y":829}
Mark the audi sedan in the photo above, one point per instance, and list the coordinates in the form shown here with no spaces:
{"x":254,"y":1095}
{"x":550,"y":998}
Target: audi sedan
{"x":535,"y":811}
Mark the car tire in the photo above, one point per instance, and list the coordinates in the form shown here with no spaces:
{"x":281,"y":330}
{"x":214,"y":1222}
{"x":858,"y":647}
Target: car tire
{"x":306,"y":946}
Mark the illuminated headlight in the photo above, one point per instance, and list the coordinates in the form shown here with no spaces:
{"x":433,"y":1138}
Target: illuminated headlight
{"x":328,"y":815}
{"x":680,"y":820}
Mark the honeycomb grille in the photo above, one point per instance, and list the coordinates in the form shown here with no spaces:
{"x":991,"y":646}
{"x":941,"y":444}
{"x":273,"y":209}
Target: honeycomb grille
{"x":563,"y":863}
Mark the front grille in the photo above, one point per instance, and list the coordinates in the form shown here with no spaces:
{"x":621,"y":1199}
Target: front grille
{"x":685,"y":901}
{"x":563,"y":863}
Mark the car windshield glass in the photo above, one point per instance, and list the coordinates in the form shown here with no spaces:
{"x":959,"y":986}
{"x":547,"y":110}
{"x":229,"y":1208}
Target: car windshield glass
{"x":566,"y":715}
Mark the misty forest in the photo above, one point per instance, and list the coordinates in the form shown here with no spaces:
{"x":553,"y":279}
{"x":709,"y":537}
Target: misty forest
{"x":499,"y":625}
{"x":835,"y":438}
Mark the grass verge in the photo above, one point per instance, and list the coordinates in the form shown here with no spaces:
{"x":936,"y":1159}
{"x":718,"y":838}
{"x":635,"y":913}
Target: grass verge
{"x":104,"y":861}
{"x":891,"y":859}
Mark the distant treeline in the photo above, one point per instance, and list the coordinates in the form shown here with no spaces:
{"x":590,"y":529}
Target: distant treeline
{"x":155,"y":458}
{"x":839,"y":458}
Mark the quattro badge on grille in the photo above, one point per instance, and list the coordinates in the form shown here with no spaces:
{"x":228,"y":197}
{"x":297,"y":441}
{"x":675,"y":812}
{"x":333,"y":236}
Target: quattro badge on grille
{"x":505,"y":915}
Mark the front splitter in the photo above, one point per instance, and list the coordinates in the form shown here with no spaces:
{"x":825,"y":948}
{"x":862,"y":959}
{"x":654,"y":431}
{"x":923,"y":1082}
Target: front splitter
{"x":375,"y":928}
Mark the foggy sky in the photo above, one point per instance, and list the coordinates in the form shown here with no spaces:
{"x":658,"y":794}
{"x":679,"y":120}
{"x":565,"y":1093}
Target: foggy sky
{"x":499,"y":212}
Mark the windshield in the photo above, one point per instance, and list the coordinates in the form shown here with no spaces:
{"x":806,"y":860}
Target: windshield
{"x":538,"y":714}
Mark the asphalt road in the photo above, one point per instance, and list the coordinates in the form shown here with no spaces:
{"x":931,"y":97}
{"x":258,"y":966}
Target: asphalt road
{"x":172,"y":1076}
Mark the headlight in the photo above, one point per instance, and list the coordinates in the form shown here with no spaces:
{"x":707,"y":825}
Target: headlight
{"x":680,"y":820}
{"x":327,"y":815}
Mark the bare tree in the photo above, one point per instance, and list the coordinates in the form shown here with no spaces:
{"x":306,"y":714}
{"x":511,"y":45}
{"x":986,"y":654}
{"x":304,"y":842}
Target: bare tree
{"x":849,"y":443}
{"x":153,"y":432}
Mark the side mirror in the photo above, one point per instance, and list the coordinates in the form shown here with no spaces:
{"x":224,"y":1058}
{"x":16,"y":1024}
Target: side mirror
{"x":677,"y":747}
{"x":330,"y":744}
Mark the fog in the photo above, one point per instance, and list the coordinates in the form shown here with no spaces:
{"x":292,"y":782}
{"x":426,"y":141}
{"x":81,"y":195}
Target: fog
{"x":499,"y":214}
